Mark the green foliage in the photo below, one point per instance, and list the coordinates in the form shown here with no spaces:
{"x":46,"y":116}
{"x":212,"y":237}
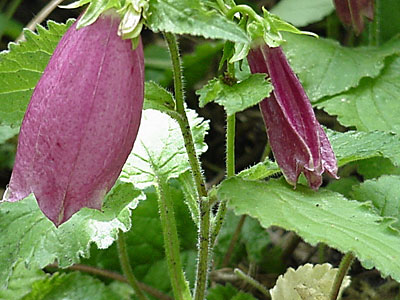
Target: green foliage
{"x":352,"y":145}
{"x":227,"y":292}
{"x":159,"y":148}
{"x":6,"y":132}
{"x":237,"y":97}
{"x":20,"y":282}
{"x":322,"y":216}
{"x":261,"y":170}
{"x":384,"y":193}
{"x":304,"y":13}
{"x":21,"y":67}
{"x":156,"y":97}
{"x":190,"y":17}
{"x":30,"y":237}
{"x":373,"y":104}
{"x":326,"y":68}
{"x":9,"y":27}
{"x":72,"y":286}
{"x":146,"y":246}
{"x":376,"y":167}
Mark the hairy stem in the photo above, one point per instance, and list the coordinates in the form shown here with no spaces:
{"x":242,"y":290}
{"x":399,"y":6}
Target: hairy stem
{"x":204,"y":206}
{"x":344,"y":267}
{"x":374,"y":28}
{"x":171,"y":241}
{"x":126,"y":267}
{"x":252,"y":282}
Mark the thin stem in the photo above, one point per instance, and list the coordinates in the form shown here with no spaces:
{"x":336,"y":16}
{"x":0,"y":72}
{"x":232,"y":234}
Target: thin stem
{"x":374,"y":28}
{"x":114,"y":276}
{"x":222,"y":6}
{"x":40,"y":17}
{"x":126,"y":267}
{"x":245,"y":10}
{"x":12,"y":8}
{"x":171,"y":241}
{"x":344,"y":267}
{"x":204,"y":205}
{"x":252,"y":282}
{"x":232,"y":244}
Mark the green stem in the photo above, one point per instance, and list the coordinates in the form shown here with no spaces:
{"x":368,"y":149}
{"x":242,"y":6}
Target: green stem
{"x":235,"y":237}
{"x":222,"y":6}
{"x":252,"y":282}
{"x":374,"y":28}
{"x":126,"y":267}
{"x":244,"y":10}
{"x":204,"y":205}
{"x":344,"y":267}
{"x":171,"y":241}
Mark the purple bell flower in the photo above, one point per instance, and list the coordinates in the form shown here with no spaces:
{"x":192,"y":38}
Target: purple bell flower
{"x":297,"y":140}
{"x":352,"y":12}
{"x":81,"y":122}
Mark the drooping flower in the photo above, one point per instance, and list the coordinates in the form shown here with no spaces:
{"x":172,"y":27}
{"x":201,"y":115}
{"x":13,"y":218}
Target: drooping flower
{"x":297,"y":140}
{"x":352,"y":12}
{"x":81,"y":122}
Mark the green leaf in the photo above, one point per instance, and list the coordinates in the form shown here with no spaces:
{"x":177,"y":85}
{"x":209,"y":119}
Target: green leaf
{"x":146,"y":246}
{"x":352,"y":145}
{"x":156,"y":97}
{"x":29,"y":236}
{"x":260,"y":171}
{"x":326,"y":68}
{"x":373,"y":105}
{"x":343,"y":185}
{"x":159,"y":148}
{"x":157,"y":64}
{"x":10,"y":27}
{"x":377,"y":166}
{"x":303,"y":13}
{"x":384,"y":193}
{"x":70,"y":286}
{"x":190,"y":17}
{"x":322,"y":216}
{"x":6,"y":132}
{"x":20,"y":282}
{"x":237,"y":97}
{"x":21,"y":68}
{"x":389,"y":24}
{"x":227,"y":292}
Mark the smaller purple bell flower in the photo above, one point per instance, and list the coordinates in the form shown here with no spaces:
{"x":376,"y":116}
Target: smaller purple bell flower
{"x":352,"y":12}
{"x":297,"y":140}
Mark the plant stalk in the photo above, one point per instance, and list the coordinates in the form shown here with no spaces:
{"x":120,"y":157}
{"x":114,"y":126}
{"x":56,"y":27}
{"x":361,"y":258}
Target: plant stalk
{"x":344,"y":267}
{"x":126,"y":267}
{"x":252,"y":282}
{"x":204,"y":206}
{"x":171,"y":241}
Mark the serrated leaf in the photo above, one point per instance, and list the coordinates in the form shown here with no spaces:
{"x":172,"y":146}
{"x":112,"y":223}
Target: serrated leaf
{"x":352,"y":145}
{"x":237,"y":97}
{"x":157,"y":97}
{"x":227,"y":292}
{"x":384,"y":193}
{"x":20,"y":282}
{"x":159,"y":148}
{"x":146,"y":245}
{"x":326,"y":68}
{"x":70,"y":286}
{"x":190,"y":17}
{"x":307,"y":282}
{"x":373,"y":105}
{"x":21,"y":68}
{"x":29,"y":236}
{"x":304,"y":13}
{"x":322,"y":216}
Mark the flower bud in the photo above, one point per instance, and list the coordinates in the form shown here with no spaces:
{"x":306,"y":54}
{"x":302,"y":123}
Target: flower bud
{"x":81,"y":122}
{"x":352,"y":12}
{"x":297,"y":140}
